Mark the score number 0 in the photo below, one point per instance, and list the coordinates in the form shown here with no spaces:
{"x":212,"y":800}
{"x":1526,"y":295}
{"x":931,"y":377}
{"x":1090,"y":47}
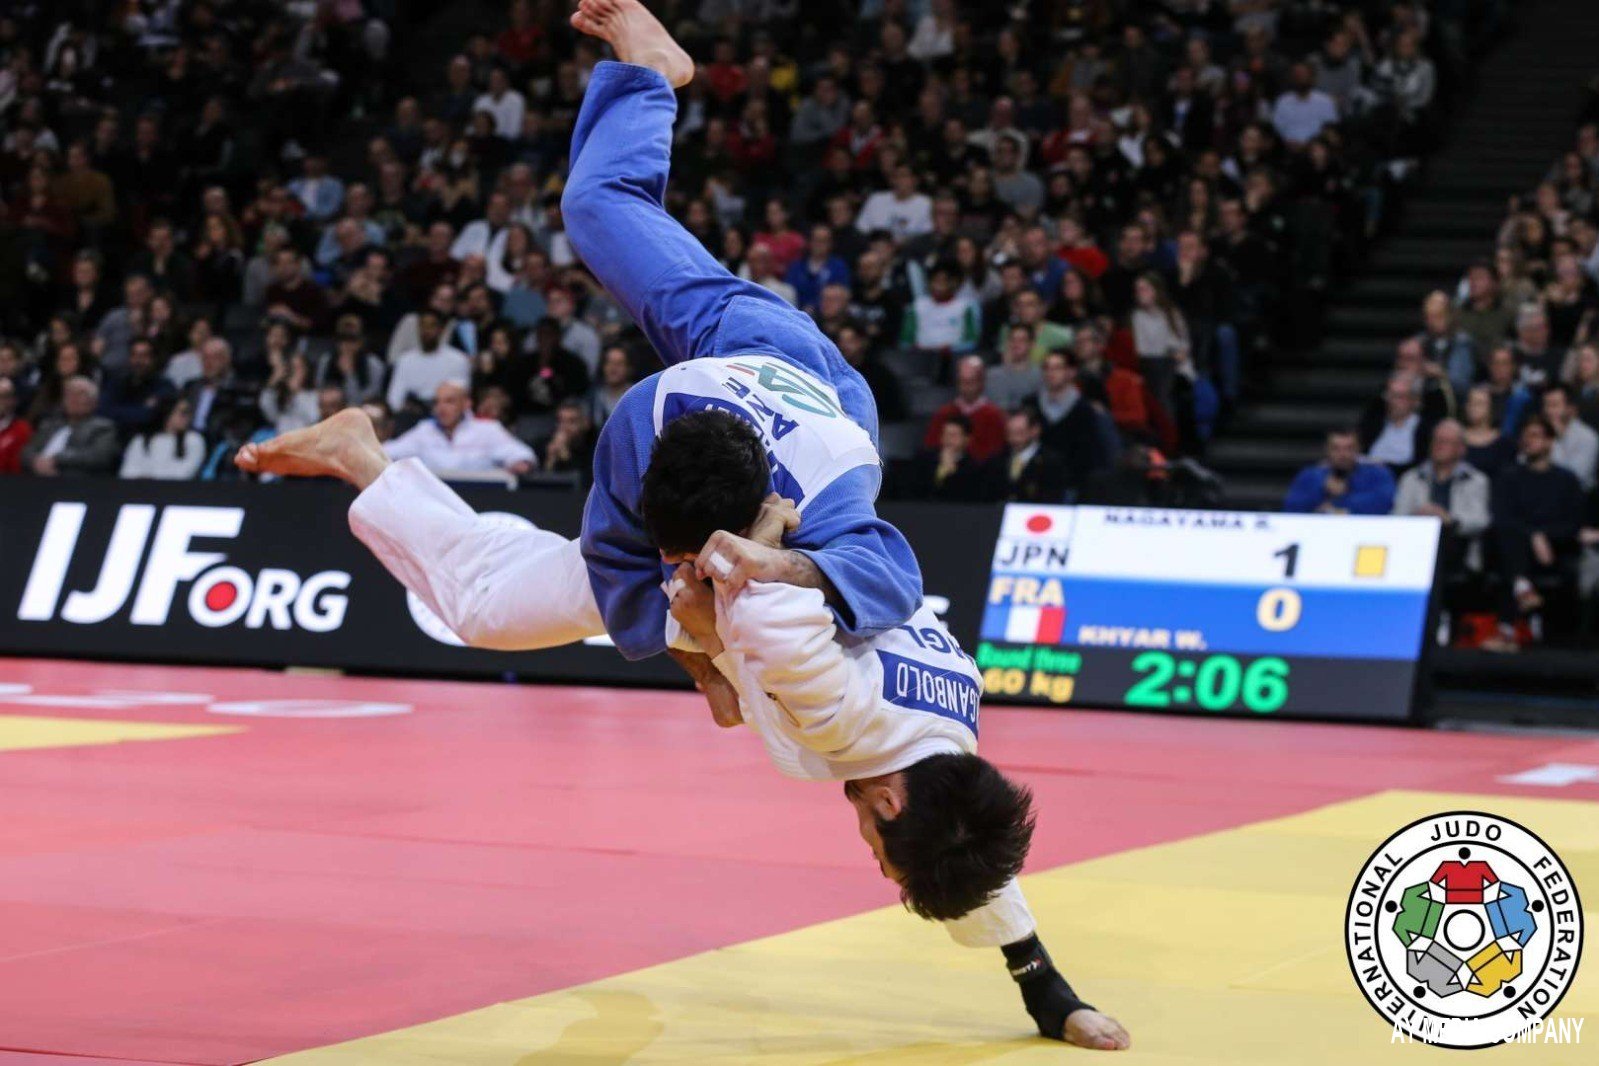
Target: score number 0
{"x":1278,"y":609}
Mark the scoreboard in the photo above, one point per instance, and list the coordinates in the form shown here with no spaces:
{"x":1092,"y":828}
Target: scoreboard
{"x":1208,"y":611}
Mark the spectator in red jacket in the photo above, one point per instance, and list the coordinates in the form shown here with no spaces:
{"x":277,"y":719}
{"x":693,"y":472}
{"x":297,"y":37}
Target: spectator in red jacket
{"x":750,"y":141}
{"x":1119,"y":390}
{"x":1079,"y":249}
{"x":786,"y":244}
{"x":518,"y":44}
{"x":724,"y":74}
{"x":862,"y":137}
{"x":14,"y":429}
{"x":971,"y":402}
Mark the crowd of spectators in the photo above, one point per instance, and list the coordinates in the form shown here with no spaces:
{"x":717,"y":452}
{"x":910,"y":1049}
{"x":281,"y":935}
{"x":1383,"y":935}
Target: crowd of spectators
{"x":1489,"y":421}
{"x":1083,"y":217}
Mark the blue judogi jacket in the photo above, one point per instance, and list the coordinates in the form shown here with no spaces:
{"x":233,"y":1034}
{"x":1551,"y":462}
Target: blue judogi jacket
{"x":814,"y":411}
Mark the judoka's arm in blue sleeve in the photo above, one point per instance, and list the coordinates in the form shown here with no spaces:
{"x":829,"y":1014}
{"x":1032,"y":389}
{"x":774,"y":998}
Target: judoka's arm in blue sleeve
{"x":625,"y":568}
{"x":612,"y":208}
{"x":868,"y":561}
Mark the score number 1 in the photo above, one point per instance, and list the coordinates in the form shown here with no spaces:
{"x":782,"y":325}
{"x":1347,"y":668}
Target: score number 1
{"x":1278,"y":609}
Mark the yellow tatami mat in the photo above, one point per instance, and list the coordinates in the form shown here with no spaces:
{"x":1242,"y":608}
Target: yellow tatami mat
{"x":19,"y":732}
{"x":1223,"y":949}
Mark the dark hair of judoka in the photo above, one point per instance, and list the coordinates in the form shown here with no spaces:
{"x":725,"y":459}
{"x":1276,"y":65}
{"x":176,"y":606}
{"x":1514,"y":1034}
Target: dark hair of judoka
{"x":964,"y":831}
{"x":708,"y":472}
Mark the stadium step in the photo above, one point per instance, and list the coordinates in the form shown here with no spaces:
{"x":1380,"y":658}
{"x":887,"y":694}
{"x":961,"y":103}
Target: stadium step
{"x":1366,"y":320}
{"x":1386,"y":290}
{"x":1427,"y":261}
{"x":1330,"y":385}
{"x":1483,"y":184}
{"x":1294,"y":420}
{"x":1261,"y":456}
{"x":1362,"y":353}
{"x":1458,"y":221}
{"x":1255,"y":493}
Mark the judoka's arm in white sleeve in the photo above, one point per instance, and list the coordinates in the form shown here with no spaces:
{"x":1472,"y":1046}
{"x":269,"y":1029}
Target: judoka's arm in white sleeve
{"x":494,"y":584}
{"x":787,"y":637}
{"x":1004,"y":919}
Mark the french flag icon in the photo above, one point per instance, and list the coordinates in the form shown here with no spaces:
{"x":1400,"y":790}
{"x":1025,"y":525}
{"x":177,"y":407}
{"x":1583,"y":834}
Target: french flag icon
{"x":1035,"y":625}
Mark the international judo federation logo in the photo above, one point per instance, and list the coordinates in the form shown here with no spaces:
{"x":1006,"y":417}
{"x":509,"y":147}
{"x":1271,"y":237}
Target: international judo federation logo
{"x":1464,"y":930}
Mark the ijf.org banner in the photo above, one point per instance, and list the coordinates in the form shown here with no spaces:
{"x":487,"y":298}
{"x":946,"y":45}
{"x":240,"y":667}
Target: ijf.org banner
{"x":270,"y":575}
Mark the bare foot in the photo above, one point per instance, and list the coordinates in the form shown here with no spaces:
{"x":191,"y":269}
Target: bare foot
{"x":1096,"y":1031}
{"x":343,"y":446}
{"x":636,"y":36}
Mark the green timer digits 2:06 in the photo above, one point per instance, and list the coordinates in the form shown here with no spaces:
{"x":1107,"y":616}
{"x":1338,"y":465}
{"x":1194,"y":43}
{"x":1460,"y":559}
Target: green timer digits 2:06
{"x":1218,"y":682}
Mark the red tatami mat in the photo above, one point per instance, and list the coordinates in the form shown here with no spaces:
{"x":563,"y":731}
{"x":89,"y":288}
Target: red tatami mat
{"x":222,"y":898}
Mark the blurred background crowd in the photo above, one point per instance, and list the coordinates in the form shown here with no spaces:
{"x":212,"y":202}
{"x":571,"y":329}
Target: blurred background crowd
{"x":1061,"y":239}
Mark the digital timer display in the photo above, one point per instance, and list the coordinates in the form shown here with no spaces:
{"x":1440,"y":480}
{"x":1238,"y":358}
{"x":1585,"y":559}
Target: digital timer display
{"x":1199,"y":611}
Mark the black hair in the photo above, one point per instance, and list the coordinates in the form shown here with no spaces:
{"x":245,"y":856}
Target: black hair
{"x":1029,"y":412}
{"x":1538,"y":419}
{"x":963,"y":833}
{"x":708,"y":471}
{"x":158,"y":423}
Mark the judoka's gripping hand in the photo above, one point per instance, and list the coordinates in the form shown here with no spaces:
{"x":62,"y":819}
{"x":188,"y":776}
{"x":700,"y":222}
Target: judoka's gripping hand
{"x":693,"y":603}
{"x":777,"y":519}
{"x":731,"y":560}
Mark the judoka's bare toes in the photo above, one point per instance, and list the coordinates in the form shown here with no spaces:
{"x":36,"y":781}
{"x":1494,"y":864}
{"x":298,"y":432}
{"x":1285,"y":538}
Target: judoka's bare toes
{"x":1099,"y":1032}
{"x":636,"y":36}
{"x":343,"y":446}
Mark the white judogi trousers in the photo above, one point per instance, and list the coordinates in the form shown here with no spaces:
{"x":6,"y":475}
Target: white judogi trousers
{"x":513,"y":587}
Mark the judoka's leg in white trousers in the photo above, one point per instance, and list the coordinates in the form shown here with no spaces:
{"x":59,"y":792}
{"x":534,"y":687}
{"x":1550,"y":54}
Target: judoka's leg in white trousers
{"x":494,"y":584}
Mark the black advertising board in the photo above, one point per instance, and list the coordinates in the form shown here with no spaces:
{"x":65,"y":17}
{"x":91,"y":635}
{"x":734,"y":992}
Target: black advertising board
{"x":270,"y":575}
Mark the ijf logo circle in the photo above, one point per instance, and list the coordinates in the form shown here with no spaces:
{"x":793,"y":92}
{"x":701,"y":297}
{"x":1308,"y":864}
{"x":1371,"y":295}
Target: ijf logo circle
{"x":1464,"y":929}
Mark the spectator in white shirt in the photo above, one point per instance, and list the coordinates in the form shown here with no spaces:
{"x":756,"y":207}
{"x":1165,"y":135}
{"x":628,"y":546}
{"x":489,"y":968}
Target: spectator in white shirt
{"x":1395,"y":434}
{"x":504,"y":104}
{"x":935,"y":33}
{"x":455,"y":442}
{"x":900,"y":209}
{"x":476,"y":237}
{"x":419,"y":372}
{"x":174,"y":452}
{"x":407,"y":335}
{"x":321,"y":194}
{"x":184,"y":367}
{"x":1577,"y":446}
{"x":1304,"y":110}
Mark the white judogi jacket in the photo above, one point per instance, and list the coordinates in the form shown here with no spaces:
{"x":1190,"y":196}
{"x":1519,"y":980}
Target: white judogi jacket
{"x":833,"y":708}
{"x":827,"y":706}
